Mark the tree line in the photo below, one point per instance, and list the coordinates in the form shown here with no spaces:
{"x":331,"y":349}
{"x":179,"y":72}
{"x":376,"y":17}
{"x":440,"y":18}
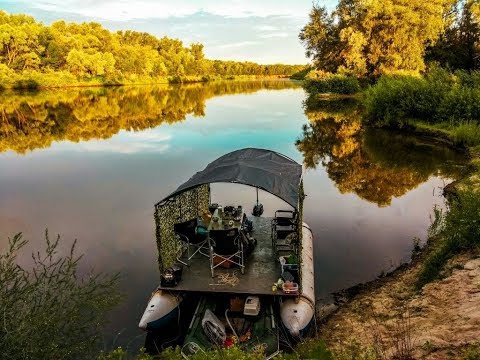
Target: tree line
{"x":87,"y":51}
{"x":368,"y":39}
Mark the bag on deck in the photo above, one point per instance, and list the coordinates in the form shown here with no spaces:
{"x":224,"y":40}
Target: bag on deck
{"x":213,"y":328}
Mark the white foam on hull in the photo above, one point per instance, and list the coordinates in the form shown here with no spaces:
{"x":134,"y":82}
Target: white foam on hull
{"x":296,"y":314}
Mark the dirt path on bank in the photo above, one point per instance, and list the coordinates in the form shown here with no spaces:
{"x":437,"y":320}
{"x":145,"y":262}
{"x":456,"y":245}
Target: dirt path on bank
{"x":395,"y":320}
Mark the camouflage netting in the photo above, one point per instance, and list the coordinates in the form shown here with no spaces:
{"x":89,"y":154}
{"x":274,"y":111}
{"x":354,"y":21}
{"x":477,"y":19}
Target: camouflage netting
{"x":301,"y":197}
{"x":182,"y":207}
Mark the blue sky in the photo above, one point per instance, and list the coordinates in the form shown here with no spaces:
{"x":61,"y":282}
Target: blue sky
{"x":263,"y":31}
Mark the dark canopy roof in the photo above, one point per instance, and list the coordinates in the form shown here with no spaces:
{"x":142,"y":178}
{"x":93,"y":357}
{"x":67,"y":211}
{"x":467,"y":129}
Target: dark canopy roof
{"x":265,"y":169}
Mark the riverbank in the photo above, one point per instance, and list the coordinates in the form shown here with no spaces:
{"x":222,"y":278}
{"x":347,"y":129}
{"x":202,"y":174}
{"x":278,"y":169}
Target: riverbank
{"x":427,"y":309}
{"x":63,"y":80}
{"x":389,"y":317}
{"x":406,"y":315}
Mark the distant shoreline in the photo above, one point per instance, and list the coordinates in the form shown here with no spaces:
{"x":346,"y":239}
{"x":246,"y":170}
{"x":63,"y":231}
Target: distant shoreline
{"x":162,"y":81}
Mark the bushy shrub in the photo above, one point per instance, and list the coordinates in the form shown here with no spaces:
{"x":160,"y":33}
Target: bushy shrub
{"x":314,"y":349}
{"x":470,"y":80}
{"x":436,"y":98}
{"x":318,"y":82}
{"x":302,"y":74}
{"x":50,"y":311}
{"x":394,"y":99}
{"x":460,"y":104}
{"x":50,"y":78}
{"x":26,"y":84}
{"x":458,"y":230}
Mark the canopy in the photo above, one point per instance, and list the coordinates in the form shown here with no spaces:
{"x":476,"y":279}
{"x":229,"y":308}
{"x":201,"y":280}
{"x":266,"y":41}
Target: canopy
{"x":264,"y":169}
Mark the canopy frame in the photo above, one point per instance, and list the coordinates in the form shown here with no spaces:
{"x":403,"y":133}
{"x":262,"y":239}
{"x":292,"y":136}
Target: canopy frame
{"x":263,"y":169}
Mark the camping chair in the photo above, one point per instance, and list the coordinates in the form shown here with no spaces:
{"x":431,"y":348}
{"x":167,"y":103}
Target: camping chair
{"x":284,"y":226}
{"x":194,"y":235}
{"x":284,"y":223}
{"x":226,"y":246}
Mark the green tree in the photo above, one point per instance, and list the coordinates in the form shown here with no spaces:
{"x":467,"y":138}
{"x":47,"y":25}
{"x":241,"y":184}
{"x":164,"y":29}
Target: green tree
{"x":85,"y":64}
{"x":374,"y":37}
{"x":321,"y":39}
{"x":459,"y":45}
{"x":87,"y":50}
{"x":19,"y":43}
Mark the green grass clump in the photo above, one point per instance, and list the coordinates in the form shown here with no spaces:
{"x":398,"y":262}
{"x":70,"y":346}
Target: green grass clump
{"x":467,"y":134}
{"x":471,"y":352}
{"x":230,"y":353}
{"x":458,"y":230}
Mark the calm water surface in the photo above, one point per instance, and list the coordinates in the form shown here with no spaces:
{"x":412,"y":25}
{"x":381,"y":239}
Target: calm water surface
{"x":90,"y":164}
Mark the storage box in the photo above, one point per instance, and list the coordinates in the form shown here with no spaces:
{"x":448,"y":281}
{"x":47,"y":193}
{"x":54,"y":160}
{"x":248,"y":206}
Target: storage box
{"x":289,"y":287}
{"x":252,"y":306}
{"x":237,"y":304}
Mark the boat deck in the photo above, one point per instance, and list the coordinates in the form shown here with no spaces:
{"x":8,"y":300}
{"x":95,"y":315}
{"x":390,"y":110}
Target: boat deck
{"x":261,"y":270}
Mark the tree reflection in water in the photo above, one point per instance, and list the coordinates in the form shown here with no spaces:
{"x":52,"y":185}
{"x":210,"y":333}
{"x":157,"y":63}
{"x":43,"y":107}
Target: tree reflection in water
{"x":30,"y":121}
{"x":377,"y":165}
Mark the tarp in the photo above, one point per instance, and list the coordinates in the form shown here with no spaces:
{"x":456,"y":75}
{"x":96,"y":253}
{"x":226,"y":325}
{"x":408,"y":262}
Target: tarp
{"x":264,"y":169}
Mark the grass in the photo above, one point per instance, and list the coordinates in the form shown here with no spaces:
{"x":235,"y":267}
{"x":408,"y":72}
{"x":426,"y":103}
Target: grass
{"x":465,"y":134}
{"x":458,"y":231}
{"x":471,"y":352}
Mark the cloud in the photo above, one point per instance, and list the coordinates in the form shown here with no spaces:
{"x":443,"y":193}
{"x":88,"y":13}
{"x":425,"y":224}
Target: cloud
{"x":266,"y":28}
{"x":275,"y":35}
{"x":103,"y":146}
{"x":125,"y":142}
{"x":124,"y":10}
{"x":238,"y":44}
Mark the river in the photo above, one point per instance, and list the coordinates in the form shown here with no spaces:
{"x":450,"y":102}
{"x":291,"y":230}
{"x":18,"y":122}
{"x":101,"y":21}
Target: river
{"x":89,"y":164}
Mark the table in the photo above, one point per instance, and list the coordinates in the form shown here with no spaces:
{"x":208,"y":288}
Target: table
{"x":226,"y":221}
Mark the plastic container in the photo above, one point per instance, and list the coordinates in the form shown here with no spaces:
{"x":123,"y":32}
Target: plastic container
{"x":289,"y":287}
{"x":252,"y":306}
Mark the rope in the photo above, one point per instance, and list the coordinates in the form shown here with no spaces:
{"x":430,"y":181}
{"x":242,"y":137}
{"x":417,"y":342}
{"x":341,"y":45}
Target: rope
{"x":228,"y":279}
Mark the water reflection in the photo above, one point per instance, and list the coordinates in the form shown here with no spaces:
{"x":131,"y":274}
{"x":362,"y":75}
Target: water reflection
{"x":102,"y":191}
{"x":34,"y":120}
{"x":377,"y":165}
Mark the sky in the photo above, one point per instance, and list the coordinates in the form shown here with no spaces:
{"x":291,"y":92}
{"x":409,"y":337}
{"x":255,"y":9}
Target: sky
{"x":263,"y":31}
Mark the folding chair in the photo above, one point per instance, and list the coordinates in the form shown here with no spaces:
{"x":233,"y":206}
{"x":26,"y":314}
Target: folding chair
{"x":193,"y":235}
{"x":284,"y":226}
{"x":226,"y":246}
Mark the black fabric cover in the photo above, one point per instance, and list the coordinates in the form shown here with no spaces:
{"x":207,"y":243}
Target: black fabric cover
{"x":265,"y":169}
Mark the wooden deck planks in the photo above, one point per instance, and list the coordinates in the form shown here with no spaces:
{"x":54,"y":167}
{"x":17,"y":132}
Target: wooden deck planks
{"x":261,"y":270}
